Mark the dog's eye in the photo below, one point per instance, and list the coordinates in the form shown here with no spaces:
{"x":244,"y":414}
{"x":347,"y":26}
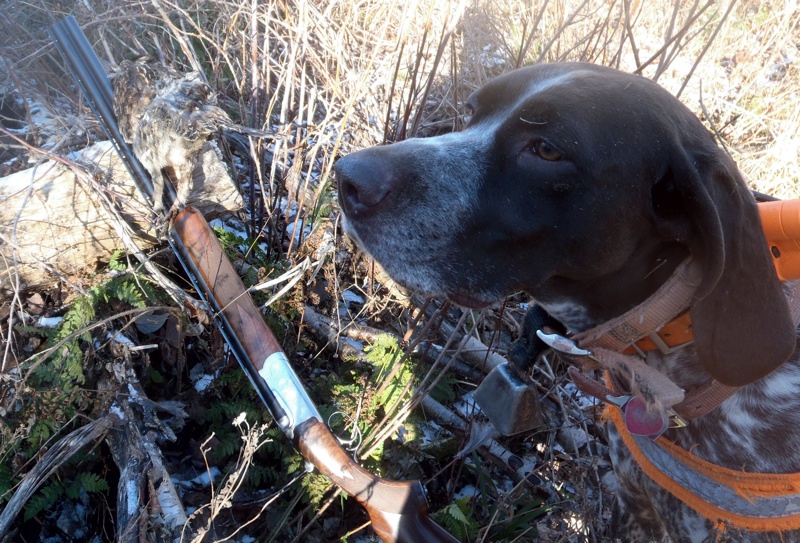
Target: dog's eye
{"x":545,"y":150}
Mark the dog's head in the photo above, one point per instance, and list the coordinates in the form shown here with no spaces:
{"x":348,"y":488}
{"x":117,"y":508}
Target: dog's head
{"x":583,"y":186}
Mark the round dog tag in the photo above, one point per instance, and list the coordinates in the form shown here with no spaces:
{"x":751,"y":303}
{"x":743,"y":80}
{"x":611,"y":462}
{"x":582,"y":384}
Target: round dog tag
{"x":640,"y":422}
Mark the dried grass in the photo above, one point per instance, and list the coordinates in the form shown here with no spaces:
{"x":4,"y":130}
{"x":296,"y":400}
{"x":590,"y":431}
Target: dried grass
{"x":339,"y":76}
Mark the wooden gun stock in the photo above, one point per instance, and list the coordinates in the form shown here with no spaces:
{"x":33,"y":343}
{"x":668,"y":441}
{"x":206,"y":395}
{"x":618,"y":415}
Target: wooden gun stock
{"x":780,"y":220}
{"x":398,"y":509}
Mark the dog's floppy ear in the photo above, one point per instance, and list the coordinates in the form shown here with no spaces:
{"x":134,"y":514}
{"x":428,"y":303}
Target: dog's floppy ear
{"x":742,"y":325}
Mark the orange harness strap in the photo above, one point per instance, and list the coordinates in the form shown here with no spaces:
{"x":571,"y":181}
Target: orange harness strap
{"x":759,"y":502}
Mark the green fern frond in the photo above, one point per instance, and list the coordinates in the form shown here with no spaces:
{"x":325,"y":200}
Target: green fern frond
{"x":457,"y":519}
{"x":88,"y":481}
{"x":315,"y":486}
{"x":383,"y":352}
{"x":66,"y":368}
{"x":118,"y":261}
{"x":228,"y":445}
{"x":44,"y":499}
{"x":28,"y":330}
{"x":39,"y":433}
{"x":259,"y":476}
{"x":124,"y":289}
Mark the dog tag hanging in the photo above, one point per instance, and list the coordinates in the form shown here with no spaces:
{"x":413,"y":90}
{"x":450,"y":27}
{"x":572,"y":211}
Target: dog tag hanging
{"x":637,"y":418}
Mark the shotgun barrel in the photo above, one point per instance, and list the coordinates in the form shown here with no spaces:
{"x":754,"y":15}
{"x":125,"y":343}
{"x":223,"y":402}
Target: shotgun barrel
{"x":82,"y":62}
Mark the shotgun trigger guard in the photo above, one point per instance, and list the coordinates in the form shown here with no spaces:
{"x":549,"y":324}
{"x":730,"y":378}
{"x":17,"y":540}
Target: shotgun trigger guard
{"x":354,"y":442}
{"x":289,"y":392}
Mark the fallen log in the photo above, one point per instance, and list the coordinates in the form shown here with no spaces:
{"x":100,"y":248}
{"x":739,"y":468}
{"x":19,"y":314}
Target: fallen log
{"x":53,"y":223}
{"x":147,"y":500}
{"x":57,"y":455}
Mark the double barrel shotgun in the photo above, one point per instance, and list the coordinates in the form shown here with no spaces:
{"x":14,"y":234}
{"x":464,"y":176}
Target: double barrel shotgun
{"x":398,"y":509}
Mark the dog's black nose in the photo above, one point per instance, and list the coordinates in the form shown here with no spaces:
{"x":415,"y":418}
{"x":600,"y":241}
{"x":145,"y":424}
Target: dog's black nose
{"x":365,"y":182}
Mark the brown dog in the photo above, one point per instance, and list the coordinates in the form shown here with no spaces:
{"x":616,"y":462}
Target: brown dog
{"x":587,"y":187}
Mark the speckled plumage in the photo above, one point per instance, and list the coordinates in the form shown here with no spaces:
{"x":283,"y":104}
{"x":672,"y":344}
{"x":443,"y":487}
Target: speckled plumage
{"x":167,"y":117}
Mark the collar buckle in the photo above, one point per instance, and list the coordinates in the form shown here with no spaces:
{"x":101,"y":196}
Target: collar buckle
{"x":662,"y":346}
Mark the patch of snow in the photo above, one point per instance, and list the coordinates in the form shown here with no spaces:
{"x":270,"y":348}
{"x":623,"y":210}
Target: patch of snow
{"x":491,"y":58}
{"x":39,"y":114}
{"x":429,"y":432}
{"x":23,"y":178}
{"x":50,"y":322}
{"x":352,"y":298}
{"x":120,"y":338}
{"x":132,"y":393}
{"x":93,"y":153}
{"x":292,"y":225}
{"x":469,"y":491}
{"x":72,"y":519}
{"x":12,"y":163}
{"x":572,"y":438}
{"x":581,"y":399}
{"x":504,"y":484}
{"x":402,"y":434}
{"x":115,"y":409}
{"x":292,"y":208}
{"x":52,"y":127}
{"x":358,"y":345}
{"x":203,"y":382}
{"x":201,"y":481}
{"x":132,"y":493}
{"x":467,"y":406}
{"x":218,"y":223}
{"x":576,"y":524}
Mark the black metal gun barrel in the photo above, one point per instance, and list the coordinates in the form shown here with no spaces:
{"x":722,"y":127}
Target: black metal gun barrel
{"x":86,"y":68}
{"x":84,"y":65}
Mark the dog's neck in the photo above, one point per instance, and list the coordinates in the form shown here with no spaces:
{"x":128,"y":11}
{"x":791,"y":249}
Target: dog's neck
{"x":580,"y":305}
